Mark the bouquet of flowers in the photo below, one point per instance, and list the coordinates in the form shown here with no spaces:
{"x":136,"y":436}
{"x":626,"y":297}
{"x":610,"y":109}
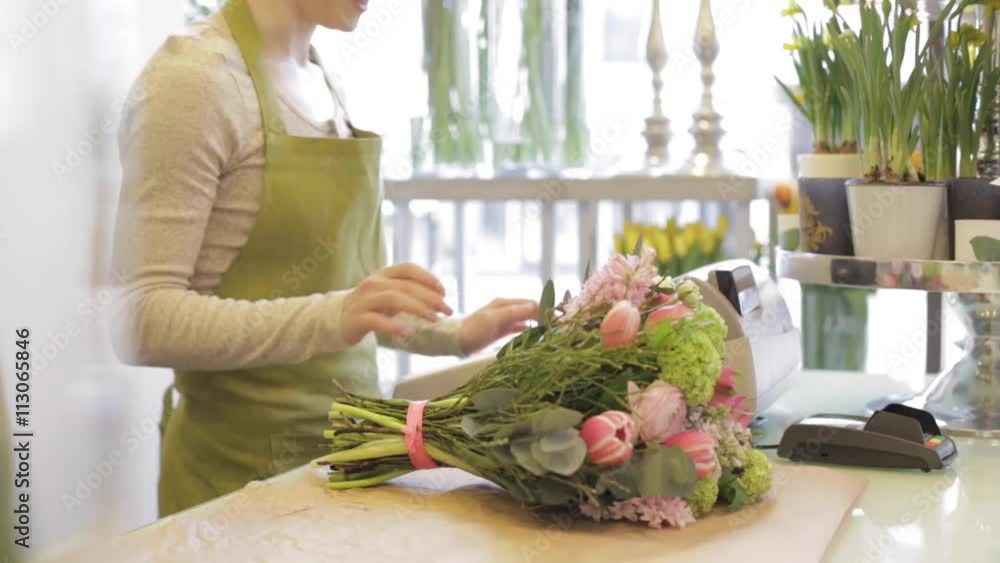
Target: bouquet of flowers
{"x":617,"y":404}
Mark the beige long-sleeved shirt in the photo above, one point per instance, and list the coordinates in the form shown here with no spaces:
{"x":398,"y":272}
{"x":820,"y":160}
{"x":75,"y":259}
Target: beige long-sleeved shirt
{"x":192,"y":153}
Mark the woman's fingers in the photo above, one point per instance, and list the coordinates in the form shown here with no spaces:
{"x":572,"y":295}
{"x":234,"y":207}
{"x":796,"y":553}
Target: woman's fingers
{"x":391,"y":303}
{"x":522,"y":311}
{"x":430,"y":298}
{"x":416,"y":274}
{"x":504,"y":302}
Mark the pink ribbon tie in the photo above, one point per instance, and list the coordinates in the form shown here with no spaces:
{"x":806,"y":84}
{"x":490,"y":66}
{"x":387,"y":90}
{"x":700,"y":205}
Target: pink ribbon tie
{"x":414,"y":432}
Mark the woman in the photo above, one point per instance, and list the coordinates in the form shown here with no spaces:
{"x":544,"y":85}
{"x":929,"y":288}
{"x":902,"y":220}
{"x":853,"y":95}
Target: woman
{"x":249,"y":233}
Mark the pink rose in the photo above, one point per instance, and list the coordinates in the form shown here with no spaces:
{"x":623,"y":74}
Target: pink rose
{"x":672,"y":313}
{"x":621,"y":325}
{"x":700,"y":447}
{"x":659,"y":410}
{"x":609,"y":437}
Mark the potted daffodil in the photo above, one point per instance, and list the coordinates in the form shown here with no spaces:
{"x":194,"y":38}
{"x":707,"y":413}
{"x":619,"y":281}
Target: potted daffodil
{"x":824,"y":98}
{"x":895,"y":214}
{"x":961,"y":85}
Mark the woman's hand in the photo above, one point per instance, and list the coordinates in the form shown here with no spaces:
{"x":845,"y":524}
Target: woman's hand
{"x":403,"y":288}
{"x":494,"y":321}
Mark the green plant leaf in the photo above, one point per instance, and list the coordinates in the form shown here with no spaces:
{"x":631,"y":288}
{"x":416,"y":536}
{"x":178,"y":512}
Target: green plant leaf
{"x":514,"y":430}
{"x":664,"y":472}
{"x":637,"y":250}
{"x":564,"y":462}
{"x":620,"y":481}
{"x":554,"y":419}
{"x":471,"y":426}
{"x":986,"y":249}
{"x":491,"y":400}
{"x":586,"y":271}
{"x":522,"y":453}
{"x":546,"y":304}
{"x":555,"y":493}
{"x":559,"y":440}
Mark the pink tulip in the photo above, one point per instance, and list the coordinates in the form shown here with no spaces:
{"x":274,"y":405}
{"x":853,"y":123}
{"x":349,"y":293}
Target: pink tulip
{"x":727,"y":379}
{"x":700,"y":447}
{"x":659,"y":410}
{"x":621,"y":325}
{"x":609,"y":437}
{"x":672,"y":313}
{"x":725,"y":396}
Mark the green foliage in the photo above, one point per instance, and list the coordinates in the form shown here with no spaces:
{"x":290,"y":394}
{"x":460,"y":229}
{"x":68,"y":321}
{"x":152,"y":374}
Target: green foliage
{"x":747,"y":484}
{"x":691,"y":362}
{"x":704,"y":496}
{"x":961,"y":83}
{"x":890,"y":92}
{"x":986,"y":249}
{"x":824,"y":97}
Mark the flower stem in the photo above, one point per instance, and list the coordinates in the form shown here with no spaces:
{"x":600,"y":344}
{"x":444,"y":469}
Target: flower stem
{"x":371,"y":481}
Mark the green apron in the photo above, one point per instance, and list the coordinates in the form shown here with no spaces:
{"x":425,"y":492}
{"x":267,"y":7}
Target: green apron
{"x":318,"y":230}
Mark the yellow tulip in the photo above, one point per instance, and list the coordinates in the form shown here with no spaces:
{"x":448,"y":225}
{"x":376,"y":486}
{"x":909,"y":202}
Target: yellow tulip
{"x":708,"y":243}
{"x":630,"y":238}
{"x":722,"y":228}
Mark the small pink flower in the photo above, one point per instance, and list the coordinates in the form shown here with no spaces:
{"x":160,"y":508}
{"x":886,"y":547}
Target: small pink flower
{"x":725,"y":396}
{"x":727,"y":379}
{"x":621,"y":325}
{"x":700,"y":447}
{"x":609,"y":437}
{"x":659,"y":410}
{"x":672,"y":313}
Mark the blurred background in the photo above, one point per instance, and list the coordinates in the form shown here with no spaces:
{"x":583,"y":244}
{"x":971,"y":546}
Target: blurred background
{"x":66,"y":66}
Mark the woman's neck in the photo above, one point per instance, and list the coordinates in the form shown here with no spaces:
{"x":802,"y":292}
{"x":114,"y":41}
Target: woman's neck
{"x":285,"y":34}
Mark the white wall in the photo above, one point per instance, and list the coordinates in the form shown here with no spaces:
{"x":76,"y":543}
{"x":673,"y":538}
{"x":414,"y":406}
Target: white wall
{"x":61,"y":77}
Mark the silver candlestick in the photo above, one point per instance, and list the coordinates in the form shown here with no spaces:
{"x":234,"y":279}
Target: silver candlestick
{"x":657,"y":131}
{"x":706,"y":160}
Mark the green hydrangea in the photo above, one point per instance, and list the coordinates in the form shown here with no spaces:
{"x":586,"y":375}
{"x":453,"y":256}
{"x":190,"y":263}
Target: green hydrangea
{"x":756,"y":478}
{"x":704,"y":496}
{"x":748,"y":484}
{"x":691,"y":362}
{"x":711,"y":323}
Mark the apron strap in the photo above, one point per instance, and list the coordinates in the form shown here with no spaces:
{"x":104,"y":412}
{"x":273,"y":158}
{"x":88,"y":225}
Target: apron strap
{"x":241,"y":24}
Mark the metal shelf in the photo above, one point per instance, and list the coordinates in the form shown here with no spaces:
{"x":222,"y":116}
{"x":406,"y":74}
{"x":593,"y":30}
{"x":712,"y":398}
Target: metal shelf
{"x":921,"y":275}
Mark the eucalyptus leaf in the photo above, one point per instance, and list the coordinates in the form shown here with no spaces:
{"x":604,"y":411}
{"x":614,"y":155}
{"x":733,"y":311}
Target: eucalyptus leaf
{"x":564,"y":462}
{"x":514,"y":430}
{"x":586,"y":271}
{"x":664,"y":472}
{"x":471,"y":426}
{"x":620,"y":482}
{"x":554,"y":419}
{"x":555,"y":493}
{"x":986,"y":249}
{"x":522,"y":453}
{"x":559,"y":440}
{"x":546,"y":304}
{"x":491,"y":400}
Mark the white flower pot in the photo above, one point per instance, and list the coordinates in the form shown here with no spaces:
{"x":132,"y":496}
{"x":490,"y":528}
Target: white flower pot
{"x":899,"y":222}
{"x":968,"y":229}
{"x":830,"y":166}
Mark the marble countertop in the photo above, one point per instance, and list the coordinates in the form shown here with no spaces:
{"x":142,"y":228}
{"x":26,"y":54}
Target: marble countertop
{"x":904,"y":516}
